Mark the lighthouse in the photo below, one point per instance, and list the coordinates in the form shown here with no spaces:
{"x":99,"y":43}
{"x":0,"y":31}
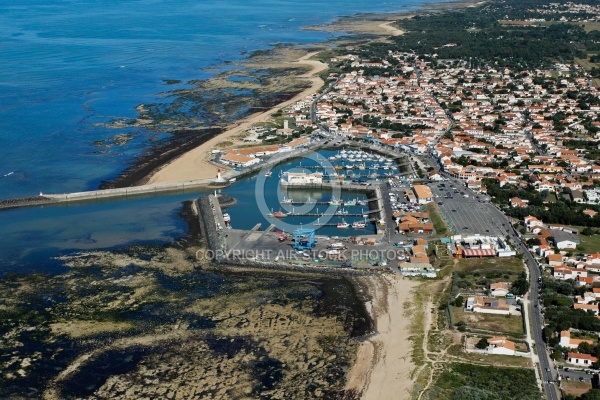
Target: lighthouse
{"x":219,"y":178}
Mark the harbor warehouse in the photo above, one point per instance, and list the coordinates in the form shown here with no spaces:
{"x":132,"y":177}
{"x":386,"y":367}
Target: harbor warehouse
{"x":302,"y":178}
{"x":423,"y":194}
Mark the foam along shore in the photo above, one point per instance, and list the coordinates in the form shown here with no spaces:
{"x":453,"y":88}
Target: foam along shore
{"x":196,"y":164}
{"x":383,"y":364}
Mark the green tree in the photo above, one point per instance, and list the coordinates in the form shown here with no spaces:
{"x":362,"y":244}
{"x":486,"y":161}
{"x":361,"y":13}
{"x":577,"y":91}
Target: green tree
{"x":593,"y":394}
{"x":459,"y":301}
{"x":521,"y":286}
{"x":585,"y":348}
{"x":482,"y":344}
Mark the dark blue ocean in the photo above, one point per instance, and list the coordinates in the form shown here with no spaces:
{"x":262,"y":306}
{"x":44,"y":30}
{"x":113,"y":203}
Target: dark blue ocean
{"x":69,"y":66}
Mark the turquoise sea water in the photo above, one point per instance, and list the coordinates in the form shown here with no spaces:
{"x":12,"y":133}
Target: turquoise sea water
{"x":67,"y":66}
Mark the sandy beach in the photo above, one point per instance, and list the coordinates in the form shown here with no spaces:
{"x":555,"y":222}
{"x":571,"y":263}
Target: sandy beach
{"x":195,"y":164}
{"x":383,"y":364}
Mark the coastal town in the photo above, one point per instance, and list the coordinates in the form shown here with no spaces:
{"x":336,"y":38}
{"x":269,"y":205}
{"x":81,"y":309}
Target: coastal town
{"x":520,"y":141}
{"x":414,"y":224}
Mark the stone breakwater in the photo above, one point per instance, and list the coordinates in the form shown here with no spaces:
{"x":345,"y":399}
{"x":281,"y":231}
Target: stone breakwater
{"x":26,"y":201}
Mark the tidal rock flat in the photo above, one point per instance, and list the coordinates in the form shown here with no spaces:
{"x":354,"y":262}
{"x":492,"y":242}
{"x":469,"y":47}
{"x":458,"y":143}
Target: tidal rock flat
{"x":142,"y":322}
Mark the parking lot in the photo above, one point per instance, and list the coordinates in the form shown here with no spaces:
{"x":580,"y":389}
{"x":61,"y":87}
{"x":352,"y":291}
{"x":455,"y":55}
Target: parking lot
{"x":465,"y":215}
{"x":574,"y":374}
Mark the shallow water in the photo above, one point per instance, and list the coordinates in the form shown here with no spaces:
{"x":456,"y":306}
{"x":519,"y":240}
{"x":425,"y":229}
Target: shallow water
{"x":68,"y":65}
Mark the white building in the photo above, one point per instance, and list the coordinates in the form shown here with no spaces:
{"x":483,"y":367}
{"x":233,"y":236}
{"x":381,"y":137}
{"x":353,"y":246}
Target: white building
{"x":499,"y":289}
{"x":490,"y":305}
{"x":566,"y":341}
{"x":501,"y":345}
{"x":581,"y":359}
{"x":238,"y":160}
{"x":302,"y":178}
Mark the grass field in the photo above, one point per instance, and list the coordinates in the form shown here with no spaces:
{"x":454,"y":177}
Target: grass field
{"x":576,"y":388}
{"x":483,"y":265}
{"x":591,"y":26}
{"x":586,"y":64}
{"x":441,"y":229}
{"x":590,"y":244}
{"x":508,"y":324}
{"x":465,"y":381}
{"x":551,"y":198}
{"x":587,"y":26}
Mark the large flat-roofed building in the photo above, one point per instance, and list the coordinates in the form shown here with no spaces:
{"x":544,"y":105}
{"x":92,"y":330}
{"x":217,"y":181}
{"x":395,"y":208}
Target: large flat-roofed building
{"x":423,"y":194}
{"x":238,"y":160}
{"x":302,"y":178}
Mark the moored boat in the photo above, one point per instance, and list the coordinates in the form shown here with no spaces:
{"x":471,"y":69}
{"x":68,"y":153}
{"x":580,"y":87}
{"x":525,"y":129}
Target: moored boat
{"x":335,"y":202}
{"x":358,"y":225}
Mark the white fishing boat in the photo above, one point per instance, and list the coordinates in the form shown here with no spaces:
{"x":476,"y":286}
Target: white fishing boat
{"x":362,"y":166}
{"x":343,"y":225}
{"x":287,"y":201}
{"x":268,"y":174}
{"x":342,"y":212}
{"x":351,"y":202}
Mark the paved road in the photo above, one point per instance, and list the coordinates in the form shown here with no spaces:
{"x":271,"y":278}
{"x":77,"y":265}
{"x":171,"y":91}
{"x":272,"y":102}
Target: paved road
{"x":547,"y":373}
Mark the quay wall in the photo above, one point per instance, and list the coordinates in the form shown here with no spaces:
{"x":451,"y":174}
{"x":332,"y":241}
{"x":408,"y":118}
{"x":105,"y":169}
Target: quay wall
{"x":216,"y":243}
{"x":331,"y":184}
{"x":282,"y":266}
{"x":133,"y":190}
{"x":43,"y":199}
{"x":208,"y":226}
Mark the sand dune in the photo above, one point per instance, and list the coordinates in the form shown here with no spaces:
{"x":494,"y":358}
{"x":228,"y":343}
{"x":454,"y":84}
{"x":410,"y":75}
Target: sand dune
{"x":383,"y":364}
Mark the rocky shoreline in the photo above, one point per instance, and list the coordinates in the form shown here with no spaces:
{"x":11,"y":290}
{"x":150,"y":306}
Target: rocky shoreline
{"x":146,"y":322}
